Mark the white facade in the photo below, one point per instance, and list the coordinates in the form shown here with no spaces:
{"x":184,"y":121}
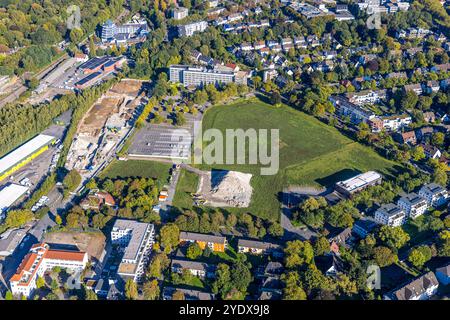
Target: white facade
{"x":136,"y":239}
{"x":434,"y":194}
{"x":189,"y":29}
{"x":413,"y":205}
{"x":38,"y":261}
{"x":180,"y":13}
{"x":390,"y":215}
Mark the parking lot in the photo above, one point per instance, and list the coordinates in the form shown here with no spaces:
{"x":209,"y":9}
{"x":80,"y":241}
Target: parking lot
{"x":164,"y":141}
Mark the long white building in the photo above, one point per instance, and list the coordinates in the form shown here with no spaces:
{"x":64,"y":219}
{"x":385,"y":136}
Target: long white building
{"x":9,"y":195}
{"x":17,"y":158}
{"x":358,"y":183}
{"x":136,"y":239}
{"x":191,"y":28}
{"x":40,"y":259}
{"x":200,"y":76}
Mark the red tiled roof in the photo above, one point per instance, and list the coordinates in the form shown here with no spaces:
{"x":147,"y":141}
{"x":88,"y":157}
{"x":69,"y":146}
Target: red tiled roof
{"x":65,"y":255}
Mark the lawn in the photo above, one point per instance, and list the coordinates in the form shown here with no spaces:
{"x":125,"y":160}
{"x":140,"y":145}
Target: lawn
{"x":187,"y":184}
{"x":137,"y":168}
{"x":311,"y":152}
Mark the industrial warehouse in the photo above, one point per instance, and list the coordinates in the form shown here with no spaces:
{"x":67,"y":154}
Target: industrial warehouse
{"x":9,"y":195}
{"x":16,"y":159}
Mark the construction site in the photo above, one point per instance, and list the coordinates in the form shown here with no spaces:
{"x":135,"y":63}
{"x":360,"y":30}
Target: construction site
{"x":221,"y":188}
{"x":107,"y":123}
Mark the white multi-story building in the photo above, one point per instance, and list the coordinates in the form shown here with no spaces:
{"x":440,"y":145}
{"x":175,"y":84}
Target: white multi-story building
{"x":413,"y":205}
{"x":189,"y":29}
{"x":40,"y":259}
{"x":366,"y":96}
{"x":356,"y":113}
{"x":199,"y":76}
{"x":180,"y":13}
{"x":390,"y":215}
{"x":434,"y":194}
{"x":358,"y":183}
{"x":136,"y":239}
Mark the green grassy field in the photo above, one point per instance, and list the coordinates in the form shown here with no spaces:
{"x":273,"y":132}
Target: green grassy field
{"x":311,"y":152}
{"x":137,"y":168}
{"x":187,"y":184}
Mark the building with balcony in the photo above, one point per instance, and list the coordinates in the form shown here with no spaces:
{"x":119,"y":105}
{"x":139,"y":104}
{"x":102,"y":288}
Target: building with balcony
{"x":390,"y":215}
{"x":413,"y":205}
{"x":434,"y":194}
{"x":135,"y":239}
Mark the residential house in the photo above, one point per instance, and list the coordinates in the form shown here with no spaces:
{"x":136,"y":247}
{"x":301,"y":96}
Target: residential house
{"x":421,"y":288}
{"x":408,"y":137}
{"x":413,"y":205}
{"x":97,"y":200}
{"x":429,"y":117}
{"x":215,"y":243}
{"x":431,"y":152}
{"x":435,"y":194}
{"x":188,"y":294}
{"x":443,"y":274}
{"x":432,"y":86}
{"x":259,"y":247}
{"x":424,"y":133}
{"x":199,"y":269}
{"x":362,"y":227}
{"x":416,"y":88}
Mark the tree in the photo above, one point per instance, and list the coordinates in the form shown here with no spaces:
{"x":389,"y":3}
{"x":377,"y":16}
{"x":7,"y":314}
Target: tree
{"x":178,"y":295}
{"x":417,"y":153}
{"x":72,"y":180}
{"x":222,"y":280}
{"x":384,"y":256}
{"x":58,"y":220}
{"x":151,"y":290}
{"x":292,"y":287}
{"x":420,"y":255}
{"x":169,"y":234}
{"x":194,"y":251}
{"x":321,"y":246}
{"x":40,"y":282}
{"x":298,"y":253}
{"x":275,"y":98}
{"x":9,"y":295}
{"x":275,"y":230}
{"x":240,"y":276}
{"x":16,"y":218}
{"x":231,"y":221}
{"x":394,"y":237}
{"x":131,"y":292}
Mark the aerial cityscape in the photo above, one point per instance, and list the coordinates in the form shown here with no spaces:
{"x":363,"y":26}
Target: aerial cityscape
{"x":221,"y":150}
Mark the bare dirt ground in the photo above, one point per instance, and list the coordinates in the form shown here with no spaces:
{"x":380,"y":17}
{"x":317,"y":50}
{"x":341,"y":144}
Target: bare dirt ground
{"x":225,"y":189}
{"x":90,"y":242}
{"x":127,"y":86}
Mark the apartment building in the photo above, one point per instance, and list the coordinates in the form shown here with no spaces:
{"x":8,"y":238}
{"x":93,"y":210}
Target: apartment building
{"x":191,"y":28}
{"x":390,"y":215}
{"x":390,"y":123}
{"x":180,"y":13}
{"x":215,"y":243}
{"x":200,"y":76}
{"x":356,"y":113}
{"x":434,"y":194}
{"x":198,"y":269}
{"x":259,"y":247}
{"x":413,"y":205}
{"x":136,"y":240}
{"x":421,"y":288}
{"x":40,"y":259}
{"x":366,"y":96}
